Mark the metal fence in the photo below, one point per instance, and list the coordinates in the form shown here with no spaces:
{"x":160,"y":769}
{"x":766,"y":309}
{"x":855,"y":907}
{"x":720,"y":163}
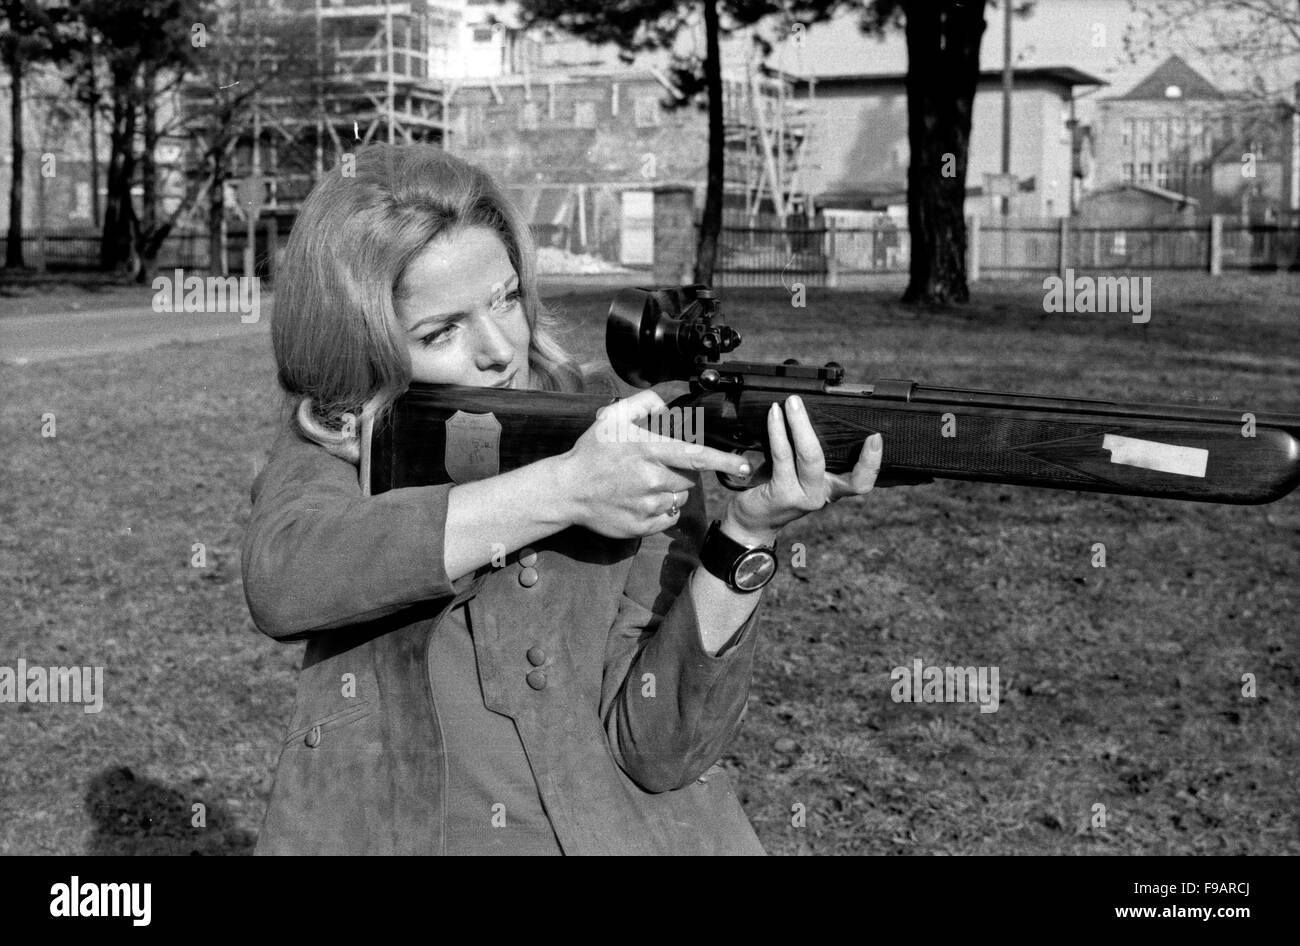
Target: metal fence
{"x":78,"y":250}
{"x":1019,"y":248}
{"x":825,"y":255}
{"x":814,"y":256}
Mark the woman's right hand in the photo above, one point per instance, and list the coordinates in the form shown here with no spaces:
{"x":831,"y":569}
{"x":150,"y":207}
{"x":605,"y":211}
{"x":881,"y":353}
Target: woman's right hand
{"x":624,"y":483}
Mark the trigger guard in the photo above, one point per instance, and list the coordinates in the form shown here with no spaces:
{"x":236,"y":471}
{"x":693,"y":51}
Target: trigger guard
{"x":760,"y":474}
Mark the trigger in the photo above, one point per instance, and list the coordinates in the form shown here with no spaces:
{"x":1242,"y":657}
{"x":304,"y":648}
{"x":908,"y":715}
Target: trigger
{"x":757,"y":463}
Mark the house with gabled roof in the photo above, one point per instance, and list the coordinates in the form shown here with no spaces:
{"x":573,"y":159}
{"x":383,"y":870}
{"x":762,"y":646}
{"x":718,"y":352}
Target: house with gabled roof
{"x":1189,"y":144}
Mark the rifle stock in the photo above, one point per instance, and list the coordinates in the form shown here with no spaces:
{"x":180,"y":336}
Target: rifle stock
{"x":440,"y":434}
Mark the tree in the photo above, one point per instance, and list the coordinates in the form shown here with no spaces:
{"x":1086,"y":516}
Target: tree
{"x":1254,"y":42}
{"x":28,"y":32}
{"x":138,"y":43}
{"x":255,"y":56}
{"x":943,"y":64}
{"x":638,"y":26}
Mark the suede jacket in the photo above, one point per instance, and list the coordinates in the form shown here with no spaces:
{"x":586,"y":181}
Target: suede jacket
{"x":621,"y":713}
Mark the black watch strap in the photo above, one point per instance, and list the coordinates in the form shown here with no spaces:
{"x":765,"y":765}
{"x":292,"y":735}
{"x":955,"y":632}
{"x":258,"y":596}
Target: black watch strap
{"x":743,"y":568}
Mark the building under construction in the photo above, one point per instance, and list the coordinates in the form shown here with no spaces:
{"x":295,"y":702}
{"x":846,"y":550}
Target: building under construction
{"x":329,"y":76}
{"x":579,"y":138}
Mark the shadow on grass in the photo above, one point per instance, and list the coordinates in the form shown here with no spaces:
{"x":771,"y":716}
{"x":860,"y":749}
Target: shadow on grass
{"x":135,"y":816}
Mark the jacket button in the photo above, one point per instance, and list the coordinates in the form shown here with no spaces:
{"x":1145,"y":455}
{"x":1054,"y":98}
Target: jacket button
{"x":528,"y":577}
{"x":312,"y":739}
{"x":537,"y":679}
{"x":536,"y":656}
{"x":527,"y":558}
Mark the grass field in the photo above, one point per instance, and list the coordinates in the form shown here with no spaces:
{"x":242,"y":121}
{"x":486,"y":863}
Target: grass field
{"x":1121,"y":686}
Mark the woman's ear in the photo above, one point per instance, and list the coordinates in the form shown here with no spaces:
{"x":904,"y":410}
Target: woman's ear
{"x":344,"y":444}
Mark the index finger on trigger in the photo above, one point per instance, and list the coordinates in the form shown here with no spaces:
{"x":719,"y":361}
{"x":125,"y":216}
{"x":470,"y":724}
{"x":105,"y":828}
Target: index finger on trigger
{"x":687,"y":456}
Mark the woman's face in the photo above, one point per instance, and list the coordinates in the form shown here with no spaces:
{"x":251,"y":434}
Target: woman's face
{"x":461,"y":309}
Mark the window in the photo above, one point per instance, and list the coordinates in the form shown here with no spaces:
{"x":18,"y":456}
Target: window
{"x":528,"y":117}
{"x":1128,"y":132}
{"x":1178,"y":134}
{"x":1128,"y":171}
{"x":647,"y":112}
{"x":1195,"y":137}
{"x":1162,"y":174}
{"x":482,"y":34}
{"x":1144,"y":171}
{"x":1144,"y":135}
{"x":584,"y":114}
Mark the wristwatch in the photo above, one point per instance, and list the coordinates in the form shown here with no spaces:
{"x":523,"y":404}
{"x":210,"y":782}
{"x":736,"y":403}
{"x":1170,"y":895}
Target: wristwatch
{"x":744,"y":569}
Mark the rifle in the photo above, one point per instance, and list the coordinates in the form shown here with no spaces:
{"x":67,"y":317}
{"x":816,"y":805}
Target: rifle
{"x":448,"y":433}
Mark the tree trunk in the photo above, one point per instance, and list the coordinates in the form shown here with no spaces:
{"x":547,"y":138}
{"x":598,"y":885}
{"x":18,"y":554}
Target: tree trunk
{"x":14,"y":243}
{"x":147,"y":243}
{"x":943,"y":44}
{"x":217,"y":194}
{"x":116,"y":243}
{"x":706,"y":250}
{"x":94,"y":148}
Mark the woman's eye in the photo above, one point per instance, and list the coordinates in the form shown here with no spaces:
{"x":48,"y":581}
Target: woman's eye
{"x":509,"y":301}
{"x":437,"y":338}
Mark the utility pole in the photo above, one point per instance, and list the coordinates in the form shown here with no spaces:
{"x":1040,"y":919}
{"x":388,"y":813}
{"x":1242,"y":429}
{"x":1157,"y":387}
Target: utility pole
{"x":1007,"y":82}
{"x":320,"y":105}
{"x":388,"y":31}
{"x":254,"y":190}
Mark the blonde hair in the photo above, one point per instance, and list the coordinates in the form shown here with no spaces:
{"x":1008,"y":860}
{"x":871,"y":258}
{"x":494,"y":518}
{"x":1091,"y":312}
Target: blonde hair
{"x":339,"y":347}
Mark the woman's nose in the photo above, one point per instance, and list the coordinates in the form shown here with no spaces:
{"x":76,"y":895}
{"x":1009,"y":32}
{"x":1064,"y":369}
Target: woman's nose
{"x":492,"y":347}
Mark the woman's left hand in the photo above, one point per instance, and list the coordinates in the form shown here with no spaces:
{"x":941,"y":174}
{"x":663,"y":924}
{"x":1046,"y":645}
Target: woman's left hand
{"x":799,"y":483}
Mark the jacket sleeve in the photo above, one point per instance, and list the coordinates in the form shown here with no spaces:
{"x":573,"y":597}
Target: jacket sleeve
{"x":319,"y":555}
{"x":669,"y":708}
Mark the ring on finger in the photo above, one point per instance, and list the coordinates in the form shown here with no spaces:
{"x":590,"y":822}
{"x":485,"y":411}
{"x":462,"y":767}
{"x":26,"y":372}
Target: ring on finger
{"x":674,"y":512}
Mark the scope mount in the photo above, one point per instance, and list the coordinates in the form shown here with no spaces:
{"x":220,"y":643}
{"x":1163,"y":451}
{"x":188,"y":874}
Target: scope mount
{"x":680,"y":334}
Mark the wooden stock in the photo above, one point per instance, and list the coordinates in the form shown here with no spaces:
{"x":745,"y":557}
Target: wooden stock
{"x":1024,"y":440}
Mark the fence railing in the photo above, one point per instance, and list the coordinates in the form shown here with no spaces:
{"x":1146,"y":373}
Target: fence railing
{"x":812,"y":255}
{"x":69,"y":250}
{"x":998,"y":249}
{"x":826,"y":254}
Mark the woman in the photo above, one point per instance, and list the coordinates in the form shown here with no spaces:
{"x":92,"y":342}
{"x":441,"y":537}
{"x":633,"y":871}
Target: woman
{"x":535,"y":662}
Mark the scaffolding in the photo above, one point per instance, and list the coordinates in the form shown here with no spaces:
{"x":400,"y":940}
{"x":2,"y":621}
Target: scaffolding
{"x":373,"y":73}
{"x":768,"y":134}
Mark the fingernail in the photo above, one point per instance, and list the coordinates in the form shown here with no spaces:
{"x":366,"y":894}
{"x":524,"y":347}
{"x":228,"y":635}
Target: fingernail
{"x":876,"y":442}
{"x":796,"y":403}
{"x":746,"y":469}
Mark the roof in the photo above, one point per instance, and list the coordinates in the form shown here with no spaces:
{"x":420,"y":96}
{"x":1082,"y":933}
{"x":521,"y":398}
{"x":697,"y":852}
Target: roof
{"x":1173,"y":73}
{"x":1062,"y":75}
{"x":1153,"y":190}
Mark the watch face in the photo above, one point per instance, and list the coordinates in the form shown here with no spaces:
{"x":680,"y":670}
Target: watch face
{"x":754,"y":570}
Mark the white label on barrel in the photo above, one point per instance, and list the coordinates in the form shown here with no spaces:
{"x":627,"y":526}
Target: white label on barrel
{"x":1150,"y":455}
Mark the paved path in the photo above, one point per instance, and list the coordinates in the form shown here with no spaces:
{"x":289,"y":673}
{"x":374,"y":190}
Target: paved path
{"x":33,"y":338}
